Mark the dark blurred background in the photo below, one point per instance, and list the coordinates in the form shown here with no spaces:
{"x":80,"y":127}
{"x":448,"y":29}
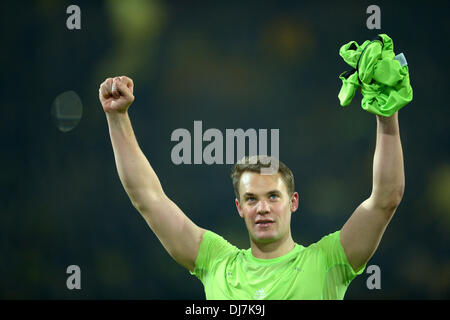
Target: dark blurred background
{"x":230,"y":64}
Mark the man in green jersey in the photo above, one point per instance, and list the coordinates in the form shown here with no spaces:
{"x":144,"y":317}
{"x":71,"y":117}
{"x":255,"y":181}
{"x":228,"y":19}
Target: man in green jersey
{"x":274,"y":267}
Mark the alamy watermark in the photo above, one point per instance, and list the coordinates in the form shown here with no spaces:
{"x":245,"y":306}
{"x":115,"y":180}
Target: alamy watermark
{"x":374,"y":281}
{"x":215,"y":153}
{"x":74,"y":280}
{"x":374,"y":20}
{"x":74,"y":20}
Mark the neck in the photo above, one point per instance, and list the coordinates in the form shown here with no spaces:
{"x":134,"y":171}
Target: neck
{"x":274,"y":249}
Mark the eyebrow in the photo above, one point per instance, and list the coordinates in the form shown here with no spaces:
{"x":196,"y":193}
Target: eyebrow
{"x":249,"y":194}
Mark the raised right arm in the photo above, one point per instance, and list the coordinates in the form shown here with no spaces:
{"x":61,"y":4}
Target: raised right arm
{"x":177,"y":233}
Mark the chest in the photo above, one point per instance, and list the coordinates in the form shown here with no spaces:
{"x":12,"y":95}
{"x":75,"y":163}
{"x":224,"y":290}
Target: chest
{"x":293,"y":279}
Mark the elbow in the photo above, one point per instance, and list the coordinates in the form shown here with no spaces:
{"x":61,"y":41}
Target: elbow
{"x":390,"y":201}
{"x":145,"y":200}
{"x":394,"y":203}
{"x":397,"y":196}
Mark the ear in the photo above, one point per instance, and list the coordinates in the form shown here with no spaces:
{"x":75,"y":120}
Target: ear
{"x":294,"y":202}
{"x":238,"y":207}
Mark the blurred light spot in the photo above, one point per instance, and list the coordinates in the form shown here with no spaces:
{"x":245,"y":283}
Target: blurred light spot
{"x":135,"y":26}
{"x":288,"y":39}
{"x":438,"y":193}
{"x":66,"y":111}
{"x":136,"y":20}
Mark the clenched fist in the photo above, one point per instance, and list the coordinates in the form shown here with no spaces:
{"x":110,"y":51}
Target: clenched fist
{"x":116,"y":94}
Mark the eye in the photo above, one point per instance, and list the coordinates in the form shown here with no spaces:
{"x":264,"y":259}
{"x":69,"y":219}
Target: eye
{"x":274,"y":197}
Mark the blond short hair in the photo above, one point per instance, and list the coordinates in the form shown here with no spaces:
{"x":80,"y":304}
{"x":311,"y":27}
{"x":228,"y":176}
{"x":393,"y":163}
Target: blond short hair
{"x":255,"y":164}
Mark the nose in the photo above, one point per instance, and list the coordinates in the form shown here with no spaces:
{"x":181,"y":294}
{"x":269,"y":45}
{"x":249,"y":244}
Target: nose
{"x":263,"y":207}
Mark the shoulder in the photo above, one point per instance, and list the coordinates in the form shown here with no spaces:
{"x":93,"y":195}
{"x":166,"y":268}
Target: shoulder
{"x":215,"y":245}
{"x":327,"y":242}
{"x":211,"y":236}
{"x":328,"y":249}
{"x":332,"y":251}
{"x":214,"y":249}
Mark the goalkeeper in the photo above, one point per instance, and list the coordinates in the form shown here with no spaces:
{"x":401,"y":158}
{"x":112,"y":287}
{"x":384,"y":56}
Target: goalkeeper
{"x":274,"y":267}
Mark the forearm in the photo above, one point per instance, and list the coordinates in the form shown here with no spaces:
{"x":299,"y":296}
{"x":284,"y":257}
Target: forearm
{"x":135,"y":172}
{"x":388,"y":167}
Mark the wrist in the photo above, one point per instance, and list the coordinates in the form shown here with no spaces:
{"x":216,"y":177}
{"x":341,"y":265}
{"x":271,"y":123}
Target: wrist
{"x":383,"y":119}
{"x":115,"y":115}
{"x":117,"y":119}
{"x":388,"y":125}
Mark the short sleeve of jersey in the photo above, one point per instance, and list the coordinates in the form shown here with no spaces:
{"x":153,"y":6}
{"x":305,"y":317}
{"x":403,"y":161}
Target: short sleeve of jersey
{"x":213,"y":249}
{"x":339,"y":272}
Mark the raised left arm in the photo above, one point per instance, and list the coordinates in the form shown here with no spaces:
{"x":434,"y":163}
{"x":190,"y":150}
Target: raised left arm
{"x":362,"y":232}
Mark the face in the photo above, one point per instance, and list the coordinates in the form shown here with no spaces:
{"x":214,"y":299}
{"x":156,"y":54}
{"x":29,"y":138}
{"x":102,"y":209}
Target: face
{"x":266,"y":206}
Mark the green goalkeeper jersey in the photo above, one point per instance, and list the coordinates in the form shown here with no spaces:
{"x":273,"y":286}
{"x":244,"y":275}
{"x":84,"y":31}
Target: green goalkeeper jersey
{"x":319,"y":271}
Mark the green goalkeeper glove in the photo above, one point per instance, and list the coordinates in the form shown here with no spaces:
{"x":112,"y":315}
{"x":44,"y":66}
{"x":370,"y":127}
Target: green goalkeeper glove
{"x":382,"y":77}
